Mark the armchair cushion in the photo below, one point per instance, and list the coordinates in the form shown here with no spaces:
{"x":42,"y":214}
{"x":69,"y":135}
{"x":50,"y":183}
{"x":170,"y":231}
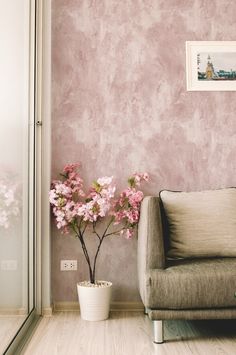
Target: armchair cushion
{"x":201,"y":224}
{"x":193,"y":284}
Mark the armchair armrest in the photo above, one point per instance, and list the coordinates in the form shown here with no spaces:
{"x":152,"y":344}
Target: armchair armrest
{"x":151,"y":253}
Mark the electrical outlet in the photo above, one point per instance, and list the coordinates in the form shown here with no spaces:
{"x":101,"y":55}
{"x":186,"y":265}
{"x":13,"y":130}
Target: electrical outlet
{"x":9,"y":265}
{"x":68,"y":265}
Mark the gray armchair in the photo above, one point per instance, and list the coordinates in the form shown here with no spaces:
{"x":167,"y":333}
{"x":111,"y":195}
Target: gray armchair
{"x":202,"y":288}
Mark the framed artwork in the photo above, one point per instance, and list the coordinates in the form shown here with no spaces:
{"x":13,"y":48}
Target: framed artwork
{"x":211,"y":65}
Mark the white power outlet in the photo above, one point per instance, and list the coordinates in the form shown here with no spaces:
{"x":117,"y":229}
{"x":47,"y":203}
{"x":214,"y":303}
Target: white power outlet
{"x":68,"y":265}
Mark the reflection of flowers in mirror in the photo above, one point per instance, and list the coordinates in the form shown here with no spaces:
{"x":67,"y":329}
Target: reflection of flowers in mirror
{"x":9,"y":203}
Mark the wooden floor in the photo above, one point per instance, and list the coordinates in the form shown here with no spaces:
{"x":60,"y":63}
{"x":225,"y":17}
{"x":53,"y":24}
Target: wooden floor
{"x":9,"y":325}
{"x":129,"y":333}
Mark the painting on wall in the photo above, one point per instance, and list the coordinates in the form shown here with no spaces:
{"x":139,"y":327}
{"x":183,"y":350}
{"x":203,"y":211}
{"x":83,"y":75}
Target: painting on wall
{"x":211,"y":65}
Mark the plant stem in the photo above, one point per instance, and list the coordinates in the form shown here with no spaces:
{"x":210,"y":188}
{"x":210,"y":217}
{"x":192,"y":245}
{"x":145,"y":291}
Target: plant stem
{"x":108,"y":226}
{"x":80,"y":230}
{"x":95,"y":232}
{"x":95,"y":258}
{"x":115,"y":232}
{"x":100,"y":243}
{"x":87,"y":258}
{"x":85,"y":251}
{"x":86,"y":225}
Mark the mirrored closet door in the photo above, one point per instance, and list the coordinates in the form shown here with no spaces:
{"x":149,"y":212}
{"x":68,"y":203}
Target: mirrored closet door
{"x":17,"y":41}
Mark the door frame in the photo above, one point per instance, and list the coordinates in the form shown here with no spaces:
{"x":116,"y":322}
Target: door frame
{"x":43,"y":157}
{"x":41,"y":71}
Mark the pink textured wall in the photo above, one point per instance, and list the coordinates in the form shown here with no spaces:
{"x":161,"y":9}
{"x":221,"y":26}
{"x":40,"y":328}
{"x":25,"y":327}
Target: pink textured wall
{"x":120,"y":104}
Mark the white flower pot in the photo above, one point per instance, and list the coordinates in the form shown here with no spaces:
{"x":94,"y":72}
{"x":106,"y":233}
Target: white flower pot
{"x":94,"y":300}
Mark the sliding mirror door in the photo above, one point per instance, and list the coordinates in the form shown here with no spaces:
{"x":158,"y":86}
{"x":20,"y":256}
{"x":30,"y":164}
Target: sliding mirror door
{"x":17,"y":38}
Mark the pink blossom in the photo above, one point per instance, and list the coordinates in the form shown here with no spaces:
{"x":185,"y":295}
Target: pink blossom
{"x":9,"y":197}
{"x":132,"y":216}
{"x":128,"y":205}
{"x":53,"y":197}
{"x":104,"y":187}
{"x":4,"y":219}
{"x":105,"y":181}
{"x":127,"y":233}
{"x":97,"y":207}
{"x":9,"y":202}
{"x":71,"y":205}
{"x":137,"y":178}
{"x":73,"y":180}
{"x":62,"y":189}
{"x":71,"y":168}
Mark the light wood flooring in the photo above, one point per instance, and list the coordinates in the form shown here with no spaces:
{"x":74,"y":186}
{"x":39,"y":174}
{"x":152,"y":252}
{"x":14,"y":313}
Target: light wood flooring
{"x":9,"y":325}
{"x":129,"y":333}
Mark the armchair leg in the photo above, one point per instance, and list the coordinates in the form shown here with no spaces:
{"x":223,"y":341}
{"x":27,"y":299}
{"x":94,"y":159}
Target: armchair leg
{"x":158,"y":328}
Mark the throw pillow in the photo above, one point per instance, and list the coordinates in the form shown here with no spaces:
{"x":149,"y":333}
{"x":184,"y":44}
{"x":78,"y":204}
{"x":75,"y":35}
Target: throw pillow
{"x":201,"y":224}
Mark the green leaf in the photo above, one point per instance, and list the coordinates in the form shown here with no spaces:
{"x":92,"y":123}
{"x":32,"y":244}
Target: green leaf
{"x":131,"y":181}
{"x":97,"y":187}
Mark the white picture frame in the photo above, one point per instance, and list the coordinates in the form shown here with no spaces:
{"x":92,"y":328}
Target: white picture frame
{"x":210,"y":65}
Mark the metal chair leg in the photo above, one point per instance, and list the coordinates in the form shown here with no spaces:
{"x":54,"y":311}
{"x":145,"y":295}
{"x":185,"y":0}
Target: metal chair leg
{"x":158,"y":328}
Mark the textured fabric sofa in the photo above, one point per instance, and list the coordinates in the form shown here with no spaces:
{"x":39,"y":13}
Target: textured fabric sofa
{"x":199,"y":288}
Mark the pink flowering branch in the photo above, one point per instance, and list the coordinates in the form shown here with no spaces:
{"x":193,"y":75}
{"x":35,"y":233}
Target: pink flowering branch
{"x":9,"y":202}
{"x":74,"y":210}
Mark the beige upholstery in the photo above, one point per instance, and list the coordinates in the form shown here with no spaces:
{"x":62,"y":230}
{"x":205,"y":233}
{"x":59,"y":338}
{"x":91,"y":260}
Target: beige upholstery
{"x":187,"y":284}
{"x":201,"y":224}
{"x":190,"y":314}
{"x":151,"y":243}
{"x":181,"y":289}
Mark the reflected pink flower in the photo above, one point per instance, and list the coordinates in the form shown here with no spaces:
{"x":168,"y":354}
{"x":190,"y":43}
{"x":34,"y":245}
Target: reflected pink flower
{"x":9,"y":202}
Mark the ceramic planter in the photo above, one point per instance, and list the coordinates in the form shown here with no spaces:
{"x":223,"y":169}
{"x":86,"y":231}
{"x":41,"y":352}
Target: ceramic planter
{"x":94,"y":300}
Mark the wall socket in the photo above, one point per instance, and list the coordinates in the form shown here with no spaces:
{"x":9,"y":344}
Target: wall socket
{"x":8,"y":265}
{"x":68,"y":265}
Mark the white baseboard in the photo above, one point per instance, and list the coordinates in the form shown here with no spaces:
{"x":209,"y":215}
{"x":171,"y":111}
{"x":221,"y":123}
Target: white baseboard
{"x":115,"y":306}
{"x":127,"y":306}
{"x":13,"y":312}
{"x":47,"y":312}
